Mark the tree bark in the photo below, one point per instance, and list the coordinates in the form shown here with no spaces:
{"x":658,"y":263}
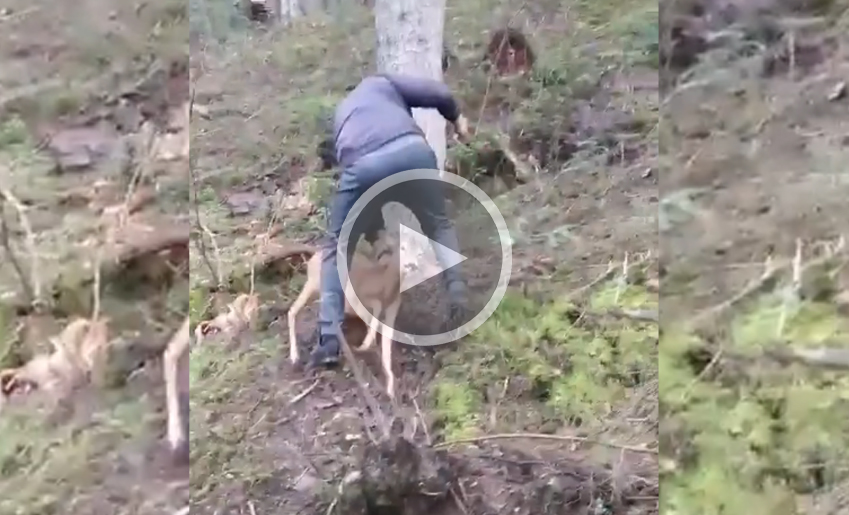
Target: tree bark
{"x":288,"y":10}
{"x":409,"y":41}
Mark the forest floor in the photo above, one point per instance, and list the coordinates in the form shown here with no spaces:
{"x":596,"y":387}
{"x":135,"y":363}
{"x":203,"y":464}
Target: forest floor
{"x":740,"y":162}
{"x":77,"y":81}
{"x":754,"y":130}
{"x":581,"y":385}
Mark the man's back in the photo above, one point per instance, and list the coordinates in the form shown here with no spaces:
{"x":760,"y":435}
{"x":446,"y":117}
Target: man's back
{"x":378,"y":111}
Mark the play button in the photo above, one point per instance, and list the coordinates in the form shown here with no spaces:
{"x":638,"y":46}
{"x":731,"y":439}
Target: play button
{"x":445,"y":233}
{"x":419,"y":261}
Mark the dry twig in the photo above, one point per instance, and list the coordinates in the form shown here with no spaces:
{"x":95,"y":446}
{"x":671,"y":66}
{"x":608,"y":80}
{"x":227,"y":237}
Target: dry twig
{"x":304,"y":393}
{"x":768,"y":280}
{"x":265,"y":238}
{"x":609,"y":273}
{"x":827,"y":358}
{"x":538,"y":436}
{"x":374,"y":407}
{"x":196,"y":205}
{"x":31,"y":285}
{"x":792,"y":294}
{"x":116,"y":217}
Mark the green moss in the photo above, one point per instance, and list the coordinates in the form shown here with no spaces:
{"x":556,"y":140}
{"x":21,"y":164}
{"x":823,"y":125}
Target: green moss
{"x":753,"y":441}
{"x":218,"y":378}
{"x":571,"y":372}
{"x":13,"y":132}
{"x":807,"y":322}
{"x":198,"y":305}
{"x":457,"y":405}
{"x":614,"y":294}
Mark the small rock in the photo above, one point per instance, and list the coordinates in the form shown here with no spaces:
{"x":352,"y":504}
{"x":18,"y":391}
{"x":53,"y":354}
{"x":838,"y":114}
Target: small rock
{"x":79,"y":149}
{"x":241,"y":204}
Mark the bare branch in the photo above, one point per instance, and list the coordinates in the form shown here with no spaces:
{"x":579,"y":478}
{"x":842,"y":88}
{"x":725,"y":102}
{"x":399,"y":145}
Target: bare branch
{"x":6,"y":242}
{"x":32,"y":287}
{"x":216,"y":275}
{"x":822,"y":357}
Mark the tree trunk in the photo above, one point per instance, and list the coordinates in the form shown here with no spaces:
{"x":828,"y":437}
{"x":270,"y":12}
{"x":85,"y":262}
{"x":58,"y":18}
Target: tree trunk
{"x":409,"y":41}
{"x":288,"y":10}
{"x":312,"y":7}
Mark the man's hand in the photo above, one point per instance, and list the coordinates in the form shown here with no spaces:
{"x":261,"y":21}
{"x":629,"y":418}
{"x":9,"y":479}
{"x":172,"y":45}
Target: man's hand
{"x":461,"y":127}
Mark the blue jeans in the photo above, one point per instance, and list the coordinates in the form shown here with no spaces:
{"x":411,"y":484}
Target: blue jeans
{"x":424,"y":198}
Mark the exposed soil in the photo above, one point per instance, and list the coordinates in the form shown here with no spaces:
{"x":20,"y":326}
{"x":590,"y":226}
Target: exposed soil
{"x":753,"y":161}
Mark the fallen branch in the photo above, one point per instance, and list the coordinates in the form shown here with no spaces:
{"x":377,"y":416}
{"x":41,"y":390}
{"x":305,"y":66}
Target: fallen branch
{"x":218,"y":275}
{"x":625,"y":267}
{"x":640,"y":315}
{"x":160,"y":240}
{"x":606,"y":276}
{"x":196,"y":205}
{"x":822,"y":357}
{"x":31,"y":286}
{"x":767,"y":281}
{"x":539,"y":436}
{"x":12,"y":257}
{"x":374,"y":407}
{"x":304,"y":393}
{"x":264,"y":239}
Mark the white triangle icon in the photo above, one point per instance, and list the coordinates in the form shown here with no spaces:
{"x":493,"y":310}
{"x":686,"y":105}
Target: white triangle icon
{"x":418,"y":258}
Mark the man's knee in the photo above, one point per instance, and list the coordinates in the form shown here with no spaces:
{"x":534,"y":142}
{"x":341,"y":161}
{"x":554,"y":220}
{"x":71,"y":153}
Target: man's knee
{"x":328,"y":247}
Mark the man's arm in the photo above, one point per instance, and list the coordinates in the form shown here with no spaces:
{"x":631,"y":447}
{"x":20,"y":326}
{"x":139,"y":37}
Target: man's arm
{"x":426,"y":93}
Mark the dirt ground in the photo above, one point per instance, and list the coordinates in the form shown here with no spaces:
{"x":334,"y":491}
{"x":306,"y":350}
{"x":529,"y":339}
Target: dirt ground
{"x":86,"y":90}
{"x":573,"y":386}
{"x":754,"y":128}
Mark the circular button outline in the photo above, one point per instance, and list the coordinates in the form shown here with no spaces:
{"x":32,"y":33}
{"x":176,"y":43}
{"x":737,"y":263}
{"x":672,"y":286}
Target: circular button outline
{"x":506,"y":242}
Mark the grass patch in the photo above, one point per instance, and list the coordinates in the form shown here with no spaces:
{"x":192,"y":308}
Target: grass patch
{"x":218,"y":379}
{"x":755,"y":437}
{"x":563,"y":372}
{"x":43,"y":468}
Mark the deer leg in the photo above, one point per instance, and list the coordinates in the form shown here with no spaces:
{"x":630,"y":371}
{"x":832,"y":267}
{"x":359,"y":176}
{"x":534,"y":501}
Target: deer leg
{"x":386,"y":345}
{"x":178,"y":421}
{"x":371,"y":336}
{"x":304,"y":297}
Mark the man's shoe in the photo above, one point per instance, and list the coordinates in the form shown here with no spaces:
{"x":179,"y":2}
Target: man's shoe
{"x":326,"y":353}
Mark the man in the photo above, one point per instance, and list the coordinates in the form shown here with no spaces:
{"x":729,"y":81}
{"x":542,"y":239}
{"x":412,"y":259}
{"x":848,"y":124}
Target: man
{"x":375,"y":136}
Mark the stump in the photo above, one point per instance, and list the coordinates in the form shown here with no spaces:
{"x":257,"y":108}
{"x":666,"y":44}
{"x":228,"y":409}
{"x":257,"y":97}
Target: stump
{"x":510,"y":52}
{"x":396,"y":476}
